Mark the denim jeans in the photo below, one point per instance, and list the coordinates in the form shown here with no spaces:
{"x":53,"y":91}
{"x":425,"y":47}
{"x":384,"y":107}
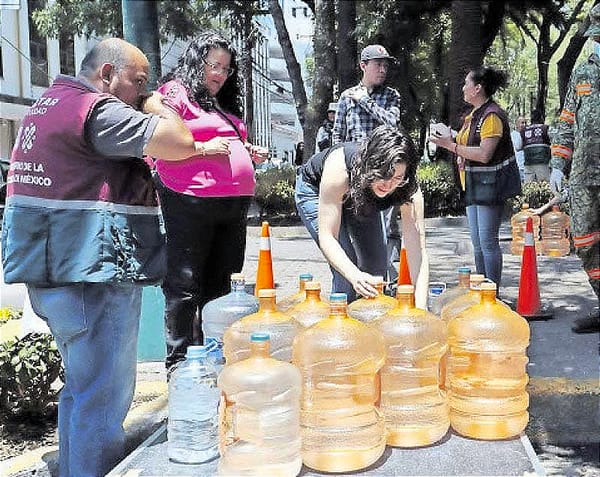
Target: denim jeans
{"x":95,"y":326}
{"x":362,"y":238}
{"x":484,"y":226}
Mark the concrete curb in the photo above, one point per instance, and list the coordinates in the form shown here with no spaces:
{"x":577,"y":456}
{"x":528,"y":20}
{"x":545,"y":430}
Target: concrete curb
{"x":141,"y":421}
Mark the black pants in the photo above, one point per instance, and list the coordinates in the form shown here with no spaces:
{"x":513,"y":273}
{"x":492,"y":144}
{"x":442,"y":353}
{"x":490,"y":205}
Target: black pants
{"x":206,"y":241}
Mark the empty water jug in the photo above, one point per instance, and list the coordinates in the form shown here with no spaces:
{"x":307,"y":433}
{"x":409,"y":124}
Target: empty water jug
{"x":555,"y":233}
{"x":366,"y":309}
{"x":312,"y":309}
{"x":260,"y":415}
{"x":279,"y":326}
{"x":287,"y":302}
{"x":192,"y":426}
{"x":487,"y":375}
{"x":449,"y":294}
{"x":414,"y":407}
{"x":220,"y":313}
{"x":464,"y":301}
{"x":518,"y":222}
{"x":339,"y":359}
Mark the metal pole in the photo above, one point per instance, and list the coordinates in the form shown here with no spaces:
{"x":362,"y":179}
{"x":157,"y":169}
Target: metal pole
{"x":140,"y":27}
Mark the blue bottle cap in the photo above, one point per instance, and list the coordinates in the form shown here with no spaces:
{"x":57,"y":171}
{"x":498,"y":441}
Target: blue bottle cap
{"x":338,"y":297}
{"x":464,"y":270}
{"x":197,"y":351}
{"x":260,"y":337}
{"x":306,"y":276}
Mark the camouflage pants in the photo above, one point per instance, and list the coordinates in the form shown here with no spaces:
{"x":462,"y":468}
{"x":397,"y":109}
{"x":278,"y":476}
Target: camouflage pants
{"x":585,"y":228}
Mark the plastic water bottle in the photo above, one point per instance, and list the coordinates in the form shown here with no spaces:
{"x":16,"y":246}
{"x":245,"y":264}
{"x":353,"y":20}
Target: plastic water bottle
{"x":192,"y":426}
{"x":260,"y":415}
{"x":449,"y":294}
{"x":434,"y":292}
{"x":339,"y":359}
{"x":220,"y":313}
{"x":287,"y":302}
{"x":487,"y":375}
{"x":367,"y":309}
{"x":415,"y":409}
{"x":312,"y":309}
{"x":555,"y":233}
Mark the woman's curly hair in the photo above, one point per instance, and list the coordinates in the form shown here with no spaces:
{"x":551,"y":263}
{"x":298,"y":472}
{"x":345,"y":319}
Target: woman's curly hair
{"x":374,"y":160}
{"x":190,"y":72}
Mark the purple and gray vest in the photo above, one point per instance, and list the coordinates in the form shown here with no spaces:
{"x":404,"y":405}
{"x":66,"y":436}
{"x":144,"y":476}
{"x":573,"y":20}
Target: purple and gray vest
{"x":73,"y":215}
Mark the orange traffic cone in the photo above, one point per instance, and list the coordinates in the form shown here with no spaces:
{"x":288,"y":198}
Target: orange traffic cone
{"x":264,"y":273}
{"x":403,"y":270}
{"x":529,"y":304}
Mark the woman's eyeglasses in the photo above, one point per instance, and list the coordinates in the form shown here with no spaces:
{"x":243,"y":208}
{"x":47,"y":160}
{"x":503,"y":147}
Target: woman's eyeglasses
{"x":393,"y":181}
{"x":219,"y":69}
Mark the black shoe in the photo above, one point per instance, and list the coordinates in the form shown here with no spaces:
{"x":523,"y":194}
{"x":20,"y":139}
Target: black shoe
{"x":589,"y":324}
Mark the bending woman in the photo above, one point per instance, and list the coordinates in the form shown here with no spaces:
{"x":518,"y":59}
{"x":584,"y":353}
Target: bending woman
{"x":204,"y":199}
{"x":484,"y":148}
{"x":340,"y":193}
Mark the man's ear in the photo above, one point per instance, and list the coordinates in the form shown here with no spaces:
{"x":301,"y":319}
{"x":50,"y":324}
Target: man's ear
{"x":106,"y":71}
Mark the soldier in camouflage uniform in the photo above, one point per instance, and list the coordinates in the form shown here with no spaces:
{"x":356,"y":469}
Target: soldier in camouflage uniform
{"x":577,"y":141}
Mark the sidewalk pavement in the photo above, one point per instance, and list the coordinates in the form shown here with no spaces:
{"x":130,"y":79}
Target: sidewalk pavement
{"x":555,"y":352}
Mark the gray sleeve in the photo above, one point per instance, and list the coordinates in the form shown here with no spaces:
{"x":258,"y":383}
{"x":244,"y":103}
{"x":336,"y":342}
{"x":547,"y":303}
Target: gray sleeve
{"x":115,"y":129}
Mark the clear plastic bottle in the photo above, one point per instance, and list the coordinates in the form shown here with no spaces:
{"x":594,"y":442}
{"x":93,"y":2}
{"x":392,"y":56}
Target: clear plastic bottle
{"x":367,"y":309}
{"x":518,"y":222}
{"x":260,"y":415}
{"x":555,"y":233}
{"x":220,"y":313}
{"x":487,"y":374}
{"x":192,"y":426}
{"x":287,"y":302}
{"x":414,"y":407}
{"x":464,"y":301}
{"x":339,"y":359}
{"x":312,"y":309}
{"x":281,"y":327}
{"x":449,"y":294}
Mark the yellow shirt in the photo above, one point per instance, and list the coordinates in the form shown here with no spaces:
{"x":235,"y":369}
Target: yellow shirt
{"x":491,"y":127}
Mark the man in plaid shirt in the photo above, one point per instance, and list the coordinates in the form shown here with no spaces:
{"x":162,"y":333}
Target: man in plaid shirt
{"x":368,"y":104}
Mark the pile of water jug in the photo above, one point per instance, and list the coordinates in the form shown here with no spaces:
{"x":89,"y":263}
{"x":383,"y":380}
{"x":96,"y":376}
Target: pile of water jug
{"x":329,"y":385}
{"x":550,"y":232}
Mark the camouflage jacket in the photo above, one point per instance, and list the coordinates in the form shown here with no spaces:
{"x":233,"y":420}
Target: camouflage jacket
{"x":577,"y":139}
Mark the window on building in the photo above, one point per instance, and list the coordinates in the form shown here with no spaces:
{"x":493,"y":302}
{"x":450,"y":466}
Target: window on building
{"x":67,"y":54}
{"x":294,"y":12}
{"x":38,"y":49}
{"x":1,"y":65}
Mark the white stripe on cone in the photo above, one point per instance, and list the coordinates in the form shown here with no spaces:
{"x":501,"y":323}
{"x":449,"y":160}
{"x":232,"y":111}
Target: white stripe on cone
{"x":529,"y":239}
{"x":265,"y":243}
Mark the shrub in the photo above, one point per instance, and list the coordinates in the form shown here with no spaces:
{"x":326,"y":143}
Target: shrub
{"x":274,"y":192}
{"x":440,"y":193}
{"x":28,"y":368}
{"x":533,"y":193}
{"x":9,"y":313}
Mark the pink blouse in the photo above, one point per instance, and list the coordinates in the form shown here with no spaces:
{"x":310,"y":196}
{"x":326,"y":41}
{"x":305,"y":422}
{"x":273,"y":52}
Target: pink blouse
{"x":207,"y":176}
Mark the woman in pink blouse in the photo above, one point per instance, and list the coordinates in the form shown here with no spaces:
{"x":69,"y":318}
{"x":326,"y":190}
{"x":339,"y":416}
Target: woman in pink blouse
{"x":204,"y":199}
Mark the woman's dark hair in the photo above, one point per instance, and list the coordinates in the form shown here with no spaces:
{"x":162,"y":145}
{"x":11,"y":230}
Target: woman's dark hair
{"x":491,"y":79}
{"x":190,"y":72}
{"x":375,"y":159}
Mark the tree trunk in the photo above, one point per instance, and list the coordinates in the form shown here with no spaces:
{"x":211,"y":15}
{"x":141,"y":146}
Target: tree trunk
{"x":566,"y":64}
{"x":465,"y":53}
{"x":324,"y":75}
{"x":346,"y":44}
{"x":291,"y":62}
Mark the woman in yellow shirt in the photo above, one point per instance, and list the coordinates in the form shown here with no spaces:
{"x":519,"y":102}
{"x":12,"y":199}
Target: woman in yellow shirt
{"x":484,"y":148}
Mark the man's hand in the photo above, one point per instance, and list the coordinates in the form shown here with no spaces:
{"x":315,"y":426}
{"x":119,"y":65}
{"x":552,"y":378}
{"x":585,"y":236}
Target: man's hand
{"x":152,"y":103}
{"x":357,"y":93}
{"x":556,"y":177}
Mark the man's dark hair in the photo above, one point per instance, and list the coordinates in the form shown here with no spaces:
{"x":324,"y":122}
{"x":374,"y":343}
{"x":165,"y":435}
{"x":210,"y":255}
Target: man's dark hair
{"x":537,"y":117}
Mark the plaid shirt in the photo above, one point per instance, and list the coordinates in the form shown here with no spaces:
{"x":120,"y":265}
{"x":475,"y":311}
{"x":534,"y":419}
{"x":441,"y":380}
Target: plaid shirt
{"x":355,"y":120}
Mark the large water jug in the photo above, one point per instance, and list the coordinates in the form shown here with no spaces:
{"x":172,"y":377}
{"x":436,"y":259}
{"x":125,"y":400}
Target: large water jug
{"x":220,"y":313}
{"x":287,"y":302}
{"x":367,"y":309}
{"x":449,"y":294}
{"x":339,"y":359}
{"x":555,"y":233}
{"x":464,"y":301}
{"x":518,"y":222}
{"x":487,"y":375}
{"x":192,"y":426}
{"x":414,"y":407}
{"x":279,"y":326}
{"x":312,"y":309}
{"x":260,"y":415}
